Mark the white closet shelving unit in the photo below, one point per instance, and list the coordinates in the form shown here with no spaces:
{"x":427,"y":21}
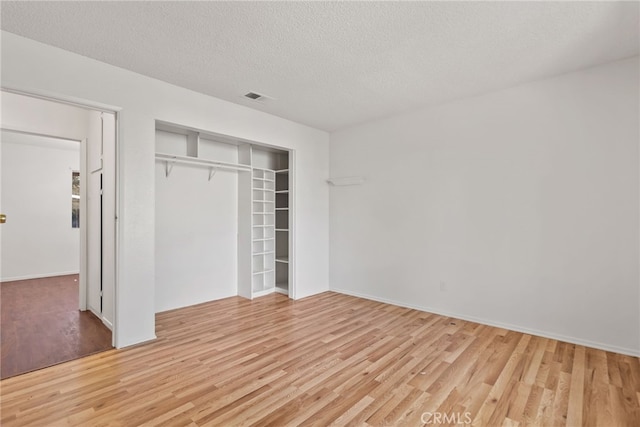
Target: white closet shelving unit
{"x":264,"y":217}
{"x":271,"y":170}
{"x":263,"y":231}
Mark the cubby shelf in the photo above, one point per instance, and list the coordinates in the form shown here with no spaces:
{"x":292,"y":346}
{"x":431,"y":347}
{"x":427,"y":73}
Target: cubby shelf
{"x":263,"y":185}
{"x":263,"y":271}
{"x":283,"y":223}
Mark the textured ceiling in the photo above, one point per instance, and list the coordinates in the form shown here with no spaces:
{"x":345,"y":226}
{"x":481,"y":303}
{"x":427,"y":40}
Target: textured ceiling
{"x":331,"y":65}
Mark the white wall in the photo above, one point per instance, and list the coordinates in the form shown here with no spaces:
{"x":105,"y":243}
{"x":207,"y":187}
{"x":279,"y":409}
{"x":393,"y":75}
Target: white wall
{"x":196,"y":231}
{"x":30,"y":65}
{"x":28,"y":114}
{"x":38,"y":240}
{"x":524,"y":202}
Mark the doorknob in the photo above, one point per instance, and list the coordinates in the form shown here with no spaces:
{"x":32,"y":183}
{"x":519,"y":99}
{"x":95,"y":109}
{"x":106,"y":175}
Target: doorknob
{"x":3,"y":218}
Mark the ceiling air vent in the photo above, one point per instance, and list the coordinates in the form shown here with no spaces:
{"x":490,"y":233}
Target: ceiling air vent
{"x":258,"y":97}
{"x":253,"y":95}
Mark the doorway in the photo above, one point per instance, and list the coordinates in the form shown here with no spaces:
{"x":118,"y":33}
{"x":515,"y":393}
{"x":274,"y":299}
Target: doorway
{"x":57,"y":264}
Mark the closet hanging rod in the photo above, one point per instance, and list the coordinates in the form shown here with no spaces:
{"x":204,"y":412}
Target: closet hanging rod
{"x":171,"y":159}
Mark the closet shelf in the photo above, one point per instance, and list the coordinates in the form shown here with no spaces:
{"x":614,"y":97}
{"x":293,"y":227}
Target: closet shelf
{"x":264,"y":201}
{"x":282,"y":229}
{"x":263,"y":240}
{"x":264,"y":213}
{"x":282,"y":259}
{"x":263,"y":253}
{"x":263,"y":225}
{"x":214,"y":164}
{"x":263,"y":271}
{"x":282,"y":209}
{"x":282,"y":191}
{"x":262,"y":179}
{"x":282,"y":171}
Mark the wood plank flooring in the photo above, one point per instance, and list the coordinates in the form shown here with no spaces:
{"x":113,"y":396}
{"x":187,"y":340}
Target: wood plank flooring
{"x":329,"y":359}
{"x":40,"y":325}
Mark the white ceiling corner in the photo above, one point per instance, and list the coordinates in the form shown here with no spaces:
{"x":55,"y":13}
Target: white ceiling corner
{"x":331,"y":65}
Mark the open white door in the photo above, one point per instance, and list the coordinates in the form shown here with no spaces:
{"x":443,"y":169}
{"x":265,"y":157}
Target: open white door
{"x":100,"y":216}
{"x":108,"y":218}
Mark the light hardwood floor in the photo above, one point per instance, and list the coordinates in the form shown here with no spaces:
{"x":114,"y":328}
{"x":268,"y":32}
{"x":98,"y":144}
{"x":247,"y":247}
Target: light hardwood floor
{"x":329,"y":359}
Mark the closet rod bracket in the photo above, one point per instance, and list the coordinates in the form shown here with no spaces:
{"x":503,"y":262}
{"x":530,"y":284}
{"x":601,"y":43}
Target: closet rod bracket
{"x":212,"y":172}
{"x":168,"y":167}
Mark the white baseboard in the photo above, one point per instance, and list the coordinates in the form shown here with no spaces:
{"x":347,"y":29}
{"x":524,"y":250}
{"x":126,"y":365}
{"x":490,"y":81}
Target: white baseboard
{"x":99,"y":315}
{"x":94,"y":311}
{"x":137,"y":341}
{"x":107,"y":324}
{"x":37,"y":276}
{"x":524,"y":330}
{"x":264,"y":292}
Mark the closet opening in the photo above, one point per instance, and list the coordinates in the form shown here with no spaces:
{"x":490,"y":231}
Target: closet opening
{"x":223,"y":217}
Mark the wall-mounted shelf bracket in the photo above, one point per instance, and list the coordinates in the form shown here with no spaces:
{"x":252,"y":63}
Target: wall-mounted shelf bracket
{"x":347,"y":180}
{"x":212,"y":172}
